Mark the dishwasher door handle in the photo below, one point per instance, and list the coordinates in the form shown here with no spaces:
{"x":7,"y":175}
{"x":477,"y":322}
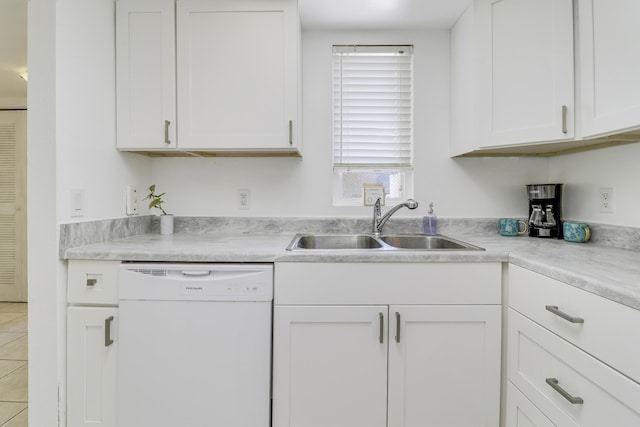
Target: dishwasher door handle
{"x":195,"y":273}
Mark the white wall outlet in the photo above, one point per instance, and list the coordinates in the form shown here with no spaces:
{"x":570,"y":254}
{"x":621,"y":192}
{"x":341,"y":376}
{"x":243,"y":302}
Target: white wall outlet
{"x":244,"y":198}
{"x":76,"y":202}
{"x":133,"y":194}
{"x":605,"y":199}
{"x":371,"y":193}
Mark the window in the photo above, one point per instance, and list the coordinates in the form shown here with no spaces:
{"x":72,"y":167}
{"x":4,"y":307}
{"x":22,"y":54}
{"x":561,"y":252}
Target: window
{"x":372,"y":121}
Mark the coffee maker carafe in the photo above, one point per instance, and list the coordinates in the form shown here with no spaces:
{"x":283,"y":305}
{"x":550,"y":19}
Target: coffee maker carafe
{"x":545,"y":212}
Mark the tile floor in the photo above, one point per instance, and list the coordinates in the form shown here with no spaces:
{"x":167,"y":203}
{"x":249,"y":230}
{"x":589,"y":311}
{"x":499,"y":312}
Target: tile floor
{"x":13,"y":365}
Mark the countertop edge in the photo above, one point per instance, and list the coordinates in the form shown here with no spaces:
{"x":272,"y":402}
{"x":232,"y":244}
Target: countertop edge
{"x":606,"y":272}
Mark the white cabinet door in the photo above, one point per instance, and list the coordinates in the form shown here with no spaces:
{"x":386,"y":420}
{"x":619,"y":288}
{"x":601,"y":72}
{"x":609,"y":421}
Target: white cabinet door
{"x":145,"y":74}
{"x":609,"y":65}
{"x":237,"y":74}
{"x":444,"y":366}
{"x":526,"y":86}
{"x":330,"y":366}
{"x":91,"y":366}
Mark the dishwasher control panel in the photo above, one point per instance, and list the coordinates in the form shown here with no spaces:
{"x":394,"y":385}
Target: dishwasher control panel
{"x":196,"y":282}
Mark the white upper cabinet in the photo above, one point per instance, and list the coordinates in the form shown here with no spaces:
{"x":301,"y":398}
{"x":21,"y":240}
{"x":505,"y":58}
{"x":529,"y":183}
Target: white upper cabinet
{"x":609,"y":61}
{"x":512,"y":75}
{"x":146,"y":79}
{"x":237,"y":74}
{"x":526,"y":71}
{"x":208,"y":76}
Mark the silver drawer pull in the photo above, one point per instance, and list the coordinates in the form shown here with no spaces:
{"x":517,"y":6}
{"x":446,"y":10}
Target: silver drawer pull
{"x":381,"y":336}
{"x":107,"y":331}
{"x":92,"y":282}
{"x":553,"y":382}
{"x":397,"y":327}
{"x":290,"y":132}
{"x":554,"y":309}
{"x":166,"y":132}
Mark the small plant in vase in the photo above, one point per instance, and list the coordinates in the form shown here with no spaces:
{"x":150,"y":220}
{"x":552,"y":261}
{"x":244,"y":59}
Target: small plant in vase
{"x":155,"y":201}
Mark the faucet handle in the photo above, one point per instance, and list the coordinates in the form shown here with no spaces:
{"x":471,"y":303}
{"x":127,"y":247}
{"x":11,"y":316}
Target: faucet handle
{"x":377,"y":207}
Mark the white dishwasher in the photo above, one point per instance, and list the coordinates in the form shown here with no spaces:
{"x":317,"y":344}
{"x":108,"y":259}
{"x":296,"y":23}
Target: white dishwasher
{"x":195,"y":345}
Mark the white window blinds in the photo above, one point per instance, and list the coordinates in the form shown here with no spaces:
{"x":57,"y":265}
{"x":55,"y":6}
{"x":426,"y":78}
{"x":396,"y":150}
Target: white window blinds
{"x":372,"y":106}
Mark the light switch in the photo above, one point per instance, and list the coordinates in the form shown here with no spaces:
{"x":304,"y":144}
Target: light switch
{"x":76,"y":202}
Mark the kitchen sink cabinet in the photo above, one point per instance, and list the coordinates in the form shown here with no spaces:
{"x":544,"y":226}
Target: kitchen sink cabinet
{"x":444,"y":365}
{"x":330,"y":366}
{"x":92,"y":343}
{"x":344,"y":357}
{"x":568,"y":355}
{"x":609,"y":63}
{"x":208,"y":76}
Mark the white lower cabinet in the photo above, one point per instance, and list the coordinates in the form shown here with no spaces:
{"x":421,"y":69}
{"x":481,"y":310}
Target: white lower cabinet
{"x":330,"y":366}
{"x":444,"y":365}
{"x":406,"y":363}
{"x":555,"y":359}
{"x":92,"y":343}
{"x":91,"y":366}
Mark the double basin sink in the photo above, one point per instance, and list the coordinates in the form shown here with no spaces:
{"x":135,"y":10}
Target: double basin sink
{"x":385,"y":242}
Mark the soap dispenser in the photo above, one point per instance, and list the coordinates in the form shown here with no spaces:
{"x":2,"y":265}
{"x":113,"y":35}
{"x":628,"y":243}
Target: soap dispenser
{"x":430,"y":222}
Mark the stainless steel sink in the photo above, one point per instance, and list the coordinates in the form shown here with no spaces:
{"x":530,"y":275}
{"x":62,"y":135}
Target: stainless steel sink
{"x":334,"y":241}
{"x":420,"y":242}
{"x":395,"y":242}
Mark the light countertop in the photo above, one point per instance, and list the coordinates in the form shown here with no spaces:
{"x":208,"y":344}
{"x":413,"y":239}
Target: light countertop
{"x":606,"y":271}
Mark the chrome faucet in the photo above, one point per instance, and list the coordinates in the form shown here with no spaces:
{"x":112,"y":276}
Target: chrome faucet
{"x":379,"y":221}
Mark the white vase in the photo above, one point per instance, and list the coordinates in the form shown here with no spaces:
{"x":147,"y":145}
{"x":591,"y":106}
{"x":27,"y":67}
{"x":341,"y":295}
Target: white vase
{"x":166,"y":224}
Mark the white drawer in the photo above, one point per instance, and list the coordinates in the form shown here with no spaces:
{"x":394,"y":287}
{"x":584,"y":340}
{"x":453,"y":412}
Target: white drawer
{"x":92,"y":282}
{"x":522,"y":413}
{"x":609,"y":331}
{"x":535,"y":356}
{"x":388,"y":283}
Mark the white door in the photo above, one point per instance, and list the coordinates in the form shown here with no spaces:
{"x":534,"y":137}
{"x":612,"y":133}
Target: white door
{"x":91,"y":366}
{"x":146,"y":79}
{"x":526,"y":88}
{"x":609,"y":65}
{"x":237,"y":74}
{"x":444,"y":366}
{"x":13,"y":197}
{"x":330,"y":366}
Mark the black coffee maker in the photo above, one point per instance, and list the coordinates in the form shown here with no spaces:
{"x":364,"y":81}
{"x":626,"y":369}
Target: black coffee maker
{"x":545,"y":210}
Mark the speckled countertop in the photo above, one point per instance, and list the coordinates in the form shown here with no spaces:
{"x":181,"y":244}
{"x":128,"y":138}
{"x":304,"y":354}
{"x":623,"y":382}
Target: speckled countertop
{"x":611,"y":272}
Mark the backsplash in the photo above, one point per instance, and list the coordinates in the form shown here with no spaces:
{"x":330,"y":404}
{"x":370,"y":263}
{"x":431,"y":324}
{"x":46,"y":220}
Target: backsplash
{"x":87,"y":233}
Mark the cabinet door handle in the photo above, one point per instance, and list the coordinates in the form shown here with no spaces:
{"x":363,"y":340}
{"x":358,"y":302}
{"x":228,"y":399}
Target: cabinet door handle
{"x":92,"y":282}
{"x":564,"y":119}
{"x":381,"y":335}
{"x":166,"y":132}
{"x":107,"y":331}
{"x":290,"y":132}
{"x":397,"y":327}
{"x":554,"y":309}
{"x":553,"y":382}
